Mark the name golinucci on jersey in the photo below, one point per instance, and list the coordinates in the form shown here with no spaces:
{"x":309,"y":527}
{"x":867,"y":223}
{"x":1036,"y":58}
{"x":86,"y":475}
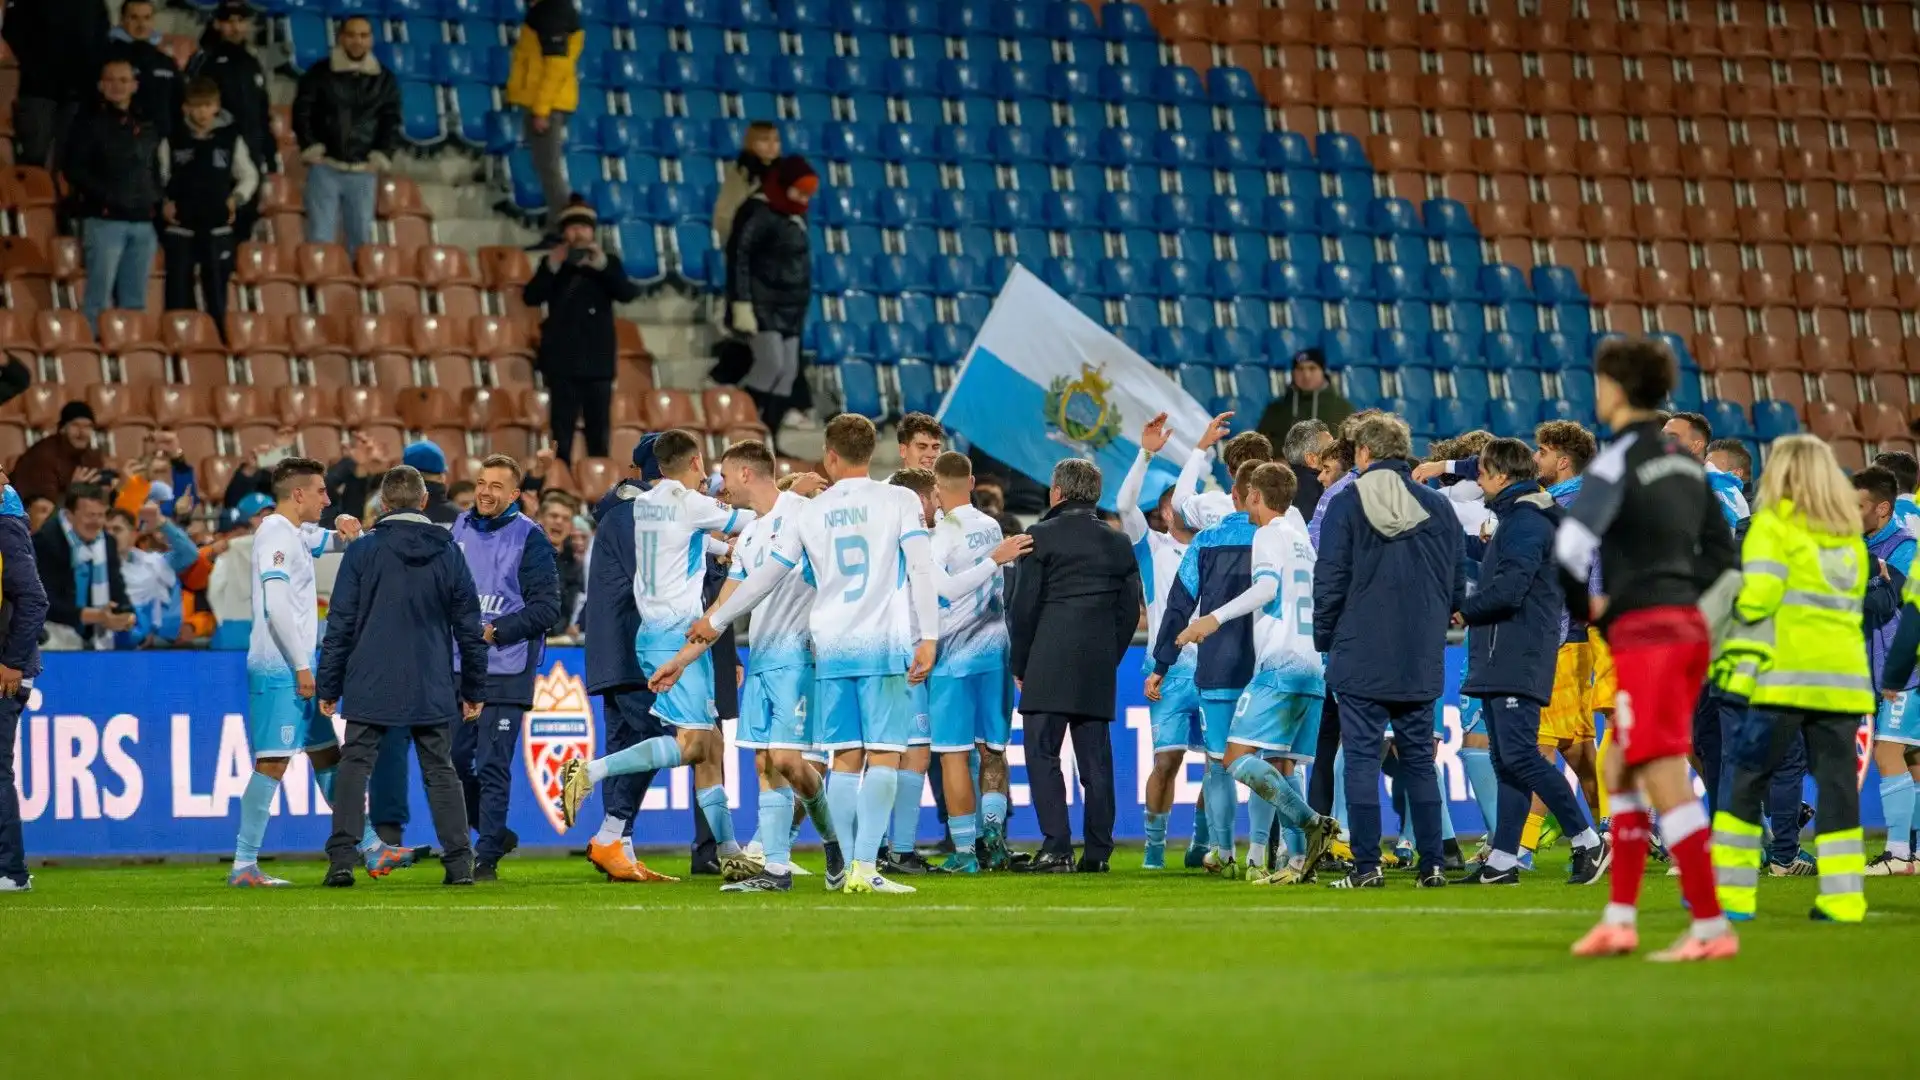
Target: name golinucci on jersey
{"x":655,"y":512}
{"x":846,"y":515}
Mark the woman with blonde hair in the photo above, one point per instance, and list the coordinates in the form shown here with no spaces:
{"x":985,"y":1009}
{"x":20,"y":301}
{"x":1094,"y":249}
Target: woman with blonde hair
{"x":1797,"y":654}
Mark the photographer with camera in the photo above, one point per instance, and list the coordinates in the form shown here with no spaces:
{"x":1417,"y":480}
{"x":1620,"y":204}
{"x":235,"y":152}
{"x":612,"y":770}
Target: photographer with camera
{"x":579,"y":283}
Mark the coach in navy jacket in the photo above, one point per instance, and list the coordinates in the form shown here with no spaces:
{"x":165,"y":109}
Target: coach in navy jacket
{"x":23,"y":611}
{"x":610,"y":621}
{"x":1385,"y":588}
{"x":403,"y":594}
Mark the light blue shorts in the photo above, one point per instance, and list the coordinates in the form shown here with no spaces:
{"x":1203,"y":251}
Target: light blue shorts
{"x":871,"y":711}
{"x":922,"y":734}
{"x":965,"y":709}
{"x":690,"y":703}
{"x":1216,"y":723}
{"x":775,"y":709}
{"x":1176,"y":716}
{"x":1898,"y":721}
{"x":281,"y":723}
{"x":1270,"y":718}
{"x":1472,"y":721}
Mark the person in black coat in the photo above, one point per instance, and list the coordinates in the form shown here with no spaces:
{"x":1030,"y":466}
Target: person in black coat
{"x":77,"y":615}
{"x":402,"y":594}
{"x":1075,"y":605}
{"x":770,"y":283}
{"x":579,"y":283}
{"x":59,"y":45}
{"x":346,"y":116}
{"x":23,"y":610}
{"x":226,"y":59}
{"x":140,"y":45}
{"x":1304,"y":444}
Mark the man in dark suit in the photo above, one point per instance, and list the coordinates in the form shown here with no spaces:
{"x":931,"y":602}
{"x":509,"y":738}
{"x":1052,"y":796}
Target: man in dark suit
{"x":1074,"y":609}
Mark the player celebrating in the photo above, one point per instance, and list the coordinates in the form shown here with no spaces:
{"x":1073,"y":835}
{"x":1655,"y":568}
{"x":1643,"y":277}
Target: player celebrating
{"x":1647,"y":511}
{"x":281,"y":718}
{"x":670,"y":523}
{"x":920,"y":438}
{"x":1280,"y":711}
{"x":1175,"y":709}
{"x":1204,"y":509}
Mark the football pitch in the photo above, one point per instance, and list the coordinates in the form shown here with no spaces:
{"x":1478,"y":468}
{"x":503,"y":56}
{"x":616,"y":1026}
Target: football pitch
{"x":164,"y":971}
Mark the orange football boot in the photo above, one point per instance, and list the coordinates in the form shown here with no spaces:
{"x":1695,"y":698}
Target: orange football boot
{"x":613,"y":861}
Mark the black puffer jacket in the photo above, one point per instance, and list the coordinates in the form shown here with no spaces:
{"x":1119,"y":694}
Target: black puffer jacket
{"x":112,"y":164}
{"x":350,"y":108}
{"x":577,"y":338}
{"x":770,"y":265}
{"x":243,"y":94}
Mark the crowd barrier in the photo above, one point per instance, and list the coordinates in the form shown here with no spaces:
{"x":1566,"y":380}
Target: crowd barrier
{"x":145,"y":754}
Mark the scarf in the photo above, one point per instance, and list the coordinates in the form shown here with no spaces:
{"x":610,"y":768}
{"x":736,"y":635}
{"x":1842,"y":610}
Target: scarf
{"x":489,"y":524}
{"x":154,"y":590}
{"x":90,"y":587}
{"x":10,"y":504}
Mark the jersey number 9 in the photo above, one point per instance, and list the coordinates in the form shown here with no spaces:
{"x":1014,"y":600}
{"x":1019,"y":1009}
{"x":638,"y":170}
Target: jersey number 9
{"x":850,"y":555}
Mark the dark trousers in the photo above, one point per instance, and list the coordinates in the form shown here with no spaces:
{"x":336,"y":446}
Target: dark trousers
{"x":1093,"y":753}
{"x":1325,"y":748}
{"x":1513,"y":735}
{"x":586,"y":402}
{"x":1780,"y":811}
{"x":39,"y":125}
{"x":1363,"y":729}
{"x":1763,"y":742}
{"x":388,"y":803}
{"x":13,"y":847}
{"x":483,"y":756}
{"x":207,"y":253}
{"x":433,"y":745}
{"x":630,"y":722}
{"x":1712,"y":715}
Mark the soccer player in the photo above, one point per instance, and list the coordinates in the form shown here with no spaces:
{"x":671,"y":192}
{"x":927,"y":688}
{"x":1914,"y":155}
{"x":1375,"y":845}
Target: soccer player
{"x":1647,"y":511}
{"x":866,"y":545}
{"x":1204,"y":509}
{"x":670,"y":523}
{"x":1694,"y":434}
{"x":920,"y":439}
{"x":1906,"y":474}
{"x":1174,"y":709}
{"x":281,"y":718}
{"x":1279,"y":713}
{"x":967,"y":690}
{"x":1896,"y":724}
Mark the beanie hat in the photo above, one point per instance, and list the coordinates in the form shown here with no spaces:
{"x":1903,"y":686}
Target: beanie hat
{"x":644,"y":459}
{"x":75,"y":410}
{"x":579,"y":213}
{"x":1312,"y":354}
{"x":424,"y":456}
{"x":790,"y":172}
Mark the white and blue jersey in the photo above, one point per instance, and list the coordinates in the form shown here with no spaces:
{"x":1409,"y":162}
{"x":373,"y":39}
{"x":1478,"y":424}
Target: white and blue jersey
{"x":778,"y":628}
{"x":1280,"y":709}
{"x":973,"y":627}
{"x":284,"y":638}
{"x":669,"y":560}
{"x":1730,"y":494}
{"x":1906,"y":511}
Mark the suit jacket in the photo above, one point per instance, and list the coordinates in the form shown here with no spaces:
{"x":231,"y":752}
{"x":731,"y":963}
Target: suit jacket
{"x":53,"y":557}
{"x":1076,"y":602}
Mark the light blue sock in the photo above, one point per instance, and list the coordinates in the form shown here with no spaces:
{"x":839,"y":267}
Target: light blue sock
{"x":1266,"y":783}
{"x":1478,"y":761}
{"x":1260,"y":815}
{"x":877,"y":788}
{"x":905,"y":830}
{"x":1222,"y":804}
{"x":1446,"y":804}
{"x":820,"y":811}
{"x":1896,"y":801}
{"x":1296,"y":840}
{"x":1198,"y":841}
{"x":776,"y":825}
{"x":713,"y":806}
{"x":659,"y":752}
{"x":964,"y":833}
{"x":843,"y":802}
{"x":993,"y":812}
{"x":1340,"y":790}
{"x":256,"y":805}
{"x":1157,"y":828}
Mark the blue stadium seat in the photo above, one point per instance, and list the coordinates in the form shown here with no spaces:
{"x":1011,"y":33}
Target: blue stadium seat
{"x":835,"y":342}
{"x":307,"y":39}
{"x":1232,"y":86}
{"x":1559,"y":351}
{"x":1338,"y":217}
{"x":1063,"y":210}
{"x":1346,"y":348}
{"x":1392,"y":283}
{"x":1178,"y":278}
{"x":1068,"y":20}
{"x":420,"y":118}
{"x":895,"y":274}
{"x":1524,"y":386}
{"x":834,"y":273}
{"x":1252,"y":393}
{"x":744,"y":14}
{"x":947,"y":343}
{"x":1174,"y":345}
{"x":1230,"y":279}
{"x":1361,"y":387}
{"x":1340,"y":281}
{"x":1557,"y":285}
{"x":1502,"y":283}
{"x":1577,"y":387}
{"x":919,"y":390}
{"x":1452,"y":416}
{"x":1171,"y":213}
{"x":1286,"y":281}
{"x":1067,"y":277}
{"x":1416,"y":384}
{"x":1562,"y":409}
{"x":1179,"y":150}
{"x":893,"y":342}
{"x":1450,"y":284}
{"x":1512,"y":419}
{"x":1390,"y":217}
{"x":611,"y":200}
{"x":1506,"y":352}
{"x":898,"y":208}
{"x":805,"y":14}
{"x":1398,"y":348}
{"x":473,"y":104}
{"x":1729,"y":420}
{"x":1294,"y":215}
{"x":1176,"y":85}
{"x":860,"y":385}
{"x":955,"y":274}
{"x":1121,"y":210}
{"x":1196,"y":379}
{"x":1233,"y":348}
{"x":1011,"y":210}
{"x":1285,"y":150}
{"x":1472,"y":386}
{"x":1448,"y":217}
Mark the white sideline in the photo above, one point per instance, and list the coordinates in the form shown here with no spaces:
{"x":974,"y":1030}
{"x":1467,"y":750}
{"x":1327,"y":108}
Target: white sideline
{"x":863,"y":908}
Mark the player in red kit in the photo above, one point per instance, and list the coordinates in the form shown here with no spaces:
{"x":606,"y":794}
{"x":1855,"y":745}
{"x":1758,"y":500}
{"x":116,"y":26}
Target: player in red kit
{"x":1648,"y":513}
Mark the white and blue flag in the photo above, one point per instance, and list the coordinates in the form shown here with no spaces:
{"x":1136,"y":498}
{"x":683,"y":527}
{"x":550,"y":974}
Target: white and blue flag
{"x":1043,"y":382}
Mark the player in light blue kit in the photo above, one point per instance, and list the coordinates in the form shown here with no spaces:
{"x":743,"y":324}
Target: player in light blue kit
{"x":670,"y":523}
{"x":281,"y":716}
{"x":1278,"y":714}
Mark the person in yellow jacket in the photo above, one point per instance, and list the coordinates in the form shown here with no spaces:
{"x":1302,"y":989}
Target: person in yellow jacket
{"x":1796,"y":652}
{"x":544,"y":82}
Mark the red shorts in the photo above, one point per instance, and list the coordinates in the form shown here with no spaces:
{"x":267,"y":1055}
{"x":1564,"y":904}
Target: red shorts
{"x":1660,"y":658}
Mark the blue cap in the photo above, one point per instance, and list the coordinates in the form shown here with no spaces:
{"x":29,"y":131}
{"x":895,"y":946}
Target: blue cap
{"x":425,"y":457}
{"x":644,"y":460}
{"x":1161,"y":478}
{"x":252,"y":504}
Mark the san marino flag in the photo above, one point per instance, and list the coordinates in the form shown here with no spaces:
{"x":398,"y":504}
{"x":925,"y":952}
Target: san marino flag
{"x":1044,"y":382}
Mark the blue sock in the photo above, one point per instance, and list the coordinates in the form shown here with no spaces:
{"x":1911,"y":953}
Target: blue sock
{"x":1157,"y":828}
{"x":1340,"y":790}
{"x":877,"y":788}
{"x":1446,"y":804}
{"x":713,"y":806}
{"x":964,"y":834}
{"x":1296,"y":840}
{"x":993,"y":812}
{"x":1260,"y":815}
{"x":659,"y":752}
{"x":1478,"y":762}
{"x":1223,"y":803}
{"x":843,"y":803}
{"x":256,"y":805}
{"x":1267,"y":784}
{"x":905,"y":830}
{"x":1198,"y":841}
{"x":1896,"y":801}
{"x":776,"y":825}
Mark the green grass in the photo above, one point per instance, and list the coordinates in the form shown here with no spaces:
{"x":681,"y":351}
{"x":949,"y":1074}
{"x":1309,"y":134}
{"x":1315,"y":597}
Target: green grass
{"x":163,"y":971}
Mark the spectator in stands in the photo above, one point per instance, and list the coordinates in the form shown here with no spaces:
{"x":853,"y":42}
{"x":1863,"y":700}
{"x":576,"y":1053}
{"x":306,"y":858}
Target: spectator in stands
{"x":60,"y":46}
{"x":179,"y":474}
{"x":14,"y":378}
{"x":1306,"y":441}
{"x":431,"y":463}
{"x":743,"y":177}
{"x":80,"y":569}
{"x":151,"y":560}
{"x":544,"y":82}
{"x":249,"y":477}
{"x":346,"y":116}
{"x":39,"y":509}
{"x":461,"y":494}
{"x":156,"y":99}
{"x":579,"y":283}
{"x":62,"y":459}
{"x":1309,"y":396}
{"x":557,"y":509}
{"x":1732,"y":456}
{"x":208,"y":174}
{"x":23,"y":612}
{"x":226,"y":59}
{"x":230,"y":583}
{"x":770,"y":283}
{"x":353,"y":479}
{"x":112,"y":166}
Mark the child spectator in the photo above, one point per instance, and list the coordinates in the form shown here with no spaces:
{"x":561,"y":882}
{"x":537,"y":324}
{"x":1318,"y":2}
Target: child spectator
{"x":209,"y":174}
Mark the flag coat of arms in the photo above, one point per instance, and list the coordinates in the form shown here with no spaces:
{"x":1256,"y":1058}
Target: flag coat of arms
{"x":1044,"y":382}
{"x":558,"y":729}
